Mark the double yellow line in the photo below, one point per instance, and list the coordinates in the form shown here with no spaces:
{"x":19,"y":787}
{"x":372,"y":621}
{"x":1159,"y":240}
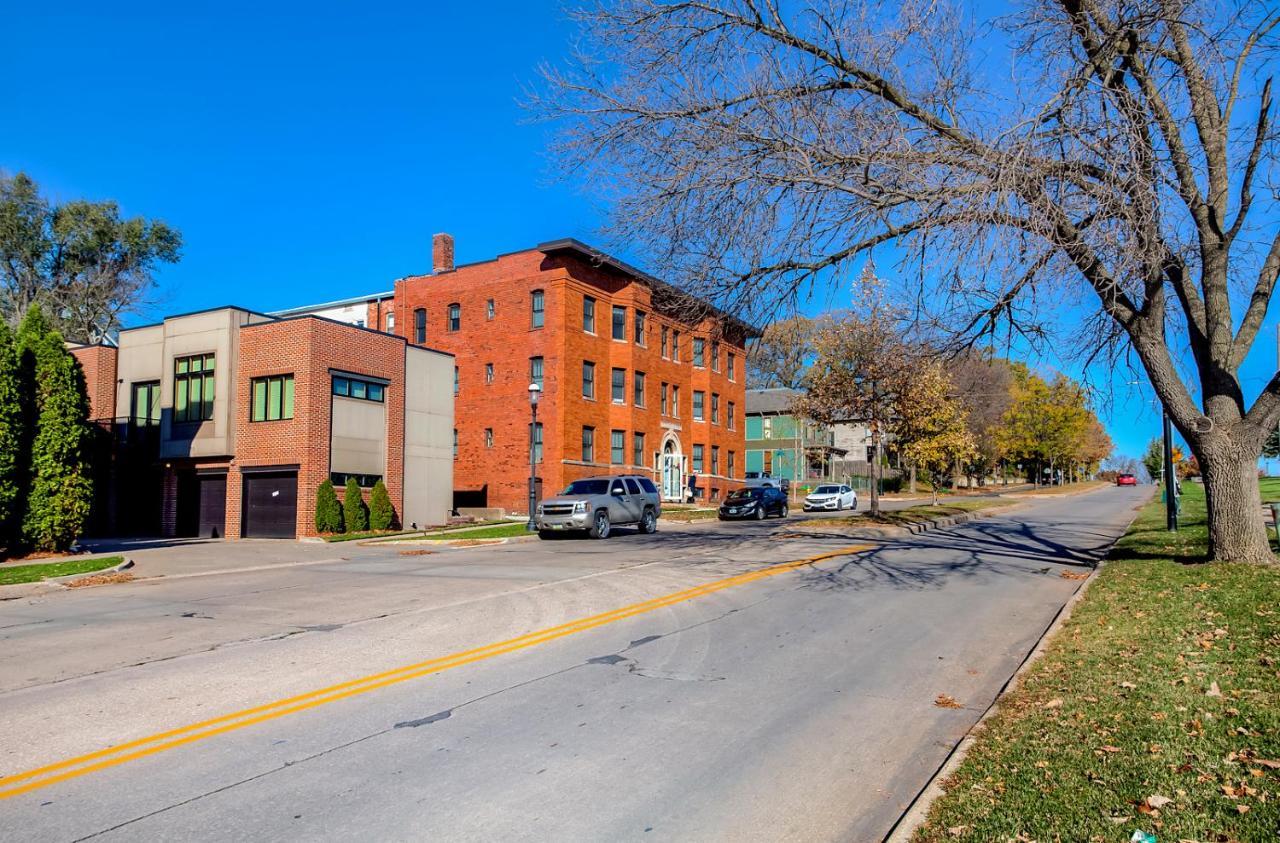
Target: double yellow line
{"x":50,"y":774}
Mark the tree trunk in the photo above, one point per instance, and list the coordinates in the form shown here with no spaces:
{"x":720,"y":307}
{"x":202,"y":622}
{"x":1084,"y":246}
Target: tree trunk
{"x":1237,"y":531}
{"x":913,"y":480}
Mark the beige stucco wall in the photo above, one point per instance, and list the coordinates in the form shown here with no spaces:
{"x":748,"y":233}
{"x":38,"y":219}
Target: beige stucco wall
{"x":148,"y":354}
{"x":428,"y":437}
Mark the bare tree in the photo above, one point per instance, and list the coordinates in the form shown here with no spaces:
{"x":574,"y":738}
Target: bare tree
{"x":1117,"y":162}
{"x":781,"y":356}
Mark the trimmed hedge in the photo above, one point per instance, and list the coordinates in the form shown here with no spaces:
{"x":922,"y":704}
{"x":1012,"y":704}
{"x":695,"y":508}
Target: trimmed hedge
{"x":328,"y":510}
{"x":354,"y":512}
{"x":381,"y":514}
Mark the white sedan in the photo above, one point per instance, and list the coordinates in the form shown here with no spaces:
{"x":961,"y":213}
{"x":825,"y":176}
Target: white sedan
{"x":831,"y":497}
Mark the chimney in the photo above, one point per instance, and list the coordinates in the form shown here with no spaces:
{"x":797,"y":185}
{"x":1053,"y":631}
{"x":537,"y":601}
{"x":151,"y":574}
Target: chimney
{"x":441,"y":253}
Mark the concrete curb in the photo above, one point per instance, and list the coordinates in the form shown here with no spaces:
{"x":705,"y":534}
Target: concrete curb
{"x":916,"y":813}
{"x":53,"y":584}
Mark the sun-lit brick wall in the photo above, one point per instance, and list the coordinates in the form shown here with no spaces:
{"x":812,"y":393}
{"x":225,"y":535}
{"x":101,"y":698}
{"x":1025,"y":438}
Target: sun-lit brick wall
{"x":508,"y":341}
{"x":98,"y":362}
{"x":308,"y":348}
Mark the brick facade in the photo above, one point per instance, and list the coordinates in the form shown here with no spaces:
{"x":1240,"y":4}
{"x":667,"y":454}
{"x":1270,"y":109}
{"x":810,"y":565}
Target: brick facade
{"x":308,"y":349}
{"x":98,"y":362}
{"x":508,"y":340}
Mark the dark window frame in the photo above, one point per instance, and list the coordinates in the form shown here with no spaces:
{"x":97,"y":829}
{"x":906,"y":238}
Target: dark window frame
{"x":537,"y":308}
{"x":588,"y":379}
{"x":537,"y":370}
{"x":152,"y":417}
{"x":617,"y":447}
{"x":453,"y":317}
{"x":618,"y":386}
{"x":588,"y":315}
{"x":420,"y":326}
{"x":618,"y":323}
{"x":286,"y":387}
{"x":588,"y":443}
{"x":206,"y":376}
{"x":369,"y":390}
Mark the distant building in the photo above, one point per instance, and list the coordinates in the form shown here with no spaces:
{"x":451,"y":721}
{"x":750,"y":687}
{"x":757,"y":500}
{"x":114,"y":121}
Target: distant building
{"x":782,"y":445}
{"x":375,"y":311}
{"x":226,"y":421}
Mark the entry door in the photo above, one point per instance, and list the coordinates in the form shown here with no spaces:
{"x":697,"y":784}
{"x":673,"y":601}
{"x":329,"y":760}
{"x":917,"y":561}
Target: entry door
{"x":672,"y":477}
{"x":271,"y":505}
{"x":213,"y":505}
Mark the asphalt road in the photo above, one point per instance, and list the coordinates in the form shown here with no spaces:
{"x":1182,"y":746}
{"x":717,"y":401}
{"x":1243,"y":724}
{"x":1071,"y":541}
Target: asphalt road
{"x":770,"y":702}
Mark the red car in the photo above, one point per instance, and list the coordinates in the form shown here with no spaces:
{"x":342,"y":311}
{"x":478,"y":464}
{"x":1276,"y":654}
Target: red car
{"x":1126,"y":480}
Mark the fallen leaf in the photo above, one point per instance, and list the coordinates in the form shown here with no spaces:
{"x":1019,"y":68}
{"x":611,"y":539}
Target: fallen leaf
{"x":1158,"y":801}
{"x":946,"y":701}
{"x":957,"y":830}
{"x":1244,"y":809}
{"x":1270,"y":765}
{"x":1213,"y":690}
{"x":1054,"y":703}
{"x":1109,"y":749}
{"x":1128,"y":685}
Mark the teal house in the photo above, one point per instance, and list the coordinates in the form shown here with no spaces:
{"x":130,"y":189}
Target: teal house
{"x":781,"y":445}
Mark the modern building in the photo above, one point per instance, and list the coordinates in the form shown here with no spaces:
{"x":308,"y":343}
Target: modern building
{"x":634,"y":376}
{"x":226,"y":421}
{"x":782,"y":445}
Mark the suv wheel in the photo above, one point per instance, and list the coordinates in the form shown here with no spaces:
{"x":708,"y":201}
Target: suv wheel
{"x":600,"y":526}
{"x":783,"y":513}
{"x":649,"y":522}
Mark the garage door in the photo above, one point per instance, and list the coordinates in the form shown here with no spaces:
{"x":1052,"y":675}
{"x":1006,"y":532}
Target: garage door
{"x":271,"y":505}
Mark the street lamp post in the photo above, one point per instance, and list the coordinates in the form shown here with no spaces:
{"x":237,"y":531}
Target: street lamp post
{"x":534,"y":391}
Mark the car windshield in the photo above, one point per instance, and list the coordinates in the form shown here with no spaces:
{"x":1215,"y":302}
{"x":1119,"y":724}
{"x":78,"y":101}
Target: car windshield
{"x":826,"y":490}
{"x":744,"y":494}
{"x":587,"y":487}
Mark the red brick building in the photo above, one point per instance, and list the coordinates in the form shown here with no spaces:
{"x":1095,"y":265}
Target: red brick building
{"x":227,"y":421}
{"x":629,"y":382}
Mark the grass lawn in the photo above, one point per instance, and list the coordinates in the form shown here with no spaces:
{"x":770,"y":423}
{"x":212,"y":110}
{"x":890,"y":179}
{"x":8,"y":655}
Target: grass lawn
{"x":685,"y":515}
{"x":15,"y":574}
{"x":1154,"y":708}
{"x":497,"y":531}
{"x":912,"y":514}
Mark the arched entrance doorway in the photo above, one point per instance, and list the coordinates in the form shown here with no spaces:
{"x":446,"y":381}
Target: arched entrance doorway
{"x":671,"y":469}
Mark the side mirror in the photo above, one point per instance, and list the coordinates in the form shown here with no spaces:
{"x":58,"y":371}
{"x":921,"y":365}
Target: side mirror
{"x":617,"y":491}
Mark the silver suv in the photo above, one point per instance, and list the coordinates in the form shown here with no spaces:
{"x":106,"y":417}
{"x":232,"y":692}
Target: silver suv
{"x":595,"y":504}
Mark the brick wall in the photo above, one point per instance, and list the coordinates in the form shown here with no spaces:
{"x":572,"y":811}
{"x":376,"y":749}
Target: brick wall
{"x":508,"y":341}
{"x":308,"y":348}
{"x":98,"y":362}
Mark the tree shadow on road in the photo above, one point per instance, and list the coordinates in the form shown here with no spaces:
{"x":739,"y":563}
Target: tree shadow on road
{"x":984,"y":548}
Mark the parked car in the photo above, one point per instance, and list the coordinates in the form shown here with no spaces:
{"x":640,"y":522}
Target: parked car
{"x":758,"y":502}
{"x":831,"y":497}
{"x":757,"y":478}
{"x":1126,"y":480}
{"x":596,"y":504}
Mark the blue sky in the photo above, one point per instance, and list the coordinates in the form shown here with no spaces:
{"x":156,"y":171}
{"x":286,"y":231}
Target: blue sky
{"x":308,"y":154}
